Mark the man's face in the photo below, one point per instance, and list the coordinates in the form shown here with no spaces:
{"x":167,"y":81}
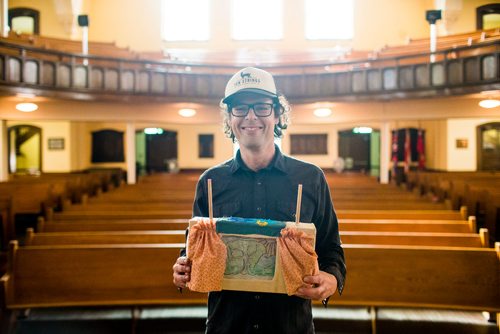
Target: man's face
{"x":251,"y":131}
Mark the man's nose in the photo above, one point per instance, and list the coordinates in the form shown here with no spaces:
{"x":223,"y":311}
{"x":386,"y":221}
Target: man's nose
{"x":252,"y":115}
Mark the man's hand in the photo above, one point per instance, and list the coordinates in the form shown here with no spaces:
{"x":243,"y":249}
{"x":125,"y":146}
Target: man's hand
{"x":318,"y":287}
{"x":182,"y":272}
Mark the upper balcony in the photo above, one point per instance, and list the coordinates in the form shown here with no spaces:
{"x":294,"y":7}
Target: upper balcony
{"x":463,"y":64}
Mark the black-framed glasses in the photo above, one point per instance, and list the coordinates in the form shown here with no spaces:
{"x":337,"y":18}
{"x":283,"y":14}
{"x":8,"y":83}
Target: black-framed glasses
{"x":259,"y":109}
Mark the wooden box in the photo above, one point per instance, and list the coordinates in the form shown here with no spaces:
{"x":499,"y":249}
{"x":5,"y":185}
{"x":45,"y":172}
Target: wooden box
{"x":253,"y":262}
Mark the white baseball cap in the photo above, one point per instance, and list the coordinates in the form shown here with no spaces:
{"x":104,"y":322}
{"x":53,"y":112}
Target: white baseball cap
{"x":250,"y":79}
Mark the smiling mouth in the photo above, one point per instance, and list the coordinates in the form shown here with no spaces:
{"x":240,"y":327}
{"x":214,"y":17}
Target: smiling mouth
{"x":252,"y":127}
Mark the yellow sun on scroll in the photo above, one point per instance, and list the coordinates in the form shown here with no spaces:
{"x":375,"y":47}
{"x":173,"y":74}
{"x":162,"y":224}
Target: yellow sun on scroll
{"x":261,"y":223}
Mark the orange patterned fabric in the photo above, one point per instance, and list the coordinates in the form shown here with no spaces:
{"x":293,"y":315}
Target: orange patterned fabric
{"x":208,"y":255}
{"x":298,"y":258}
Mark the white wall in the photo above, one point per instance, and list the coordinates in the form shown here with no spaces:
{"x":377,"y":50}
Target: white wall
{"x":187,"y":140}
{"x":53,"y":160}
{"x":323,"y":161}
{"x":463,"y":159}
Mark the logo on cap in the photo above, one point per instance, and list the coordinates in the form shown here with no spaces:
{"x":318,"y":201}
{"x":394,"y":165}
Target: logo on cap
{"x":246,"y":78}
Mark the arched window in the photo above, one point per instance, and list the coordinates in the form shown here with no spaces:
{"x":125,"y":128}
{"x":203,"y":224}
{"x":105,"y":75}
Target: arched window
{"x":185,"y":20}
{"x":488,"y":16}
{"x":24,"y":20}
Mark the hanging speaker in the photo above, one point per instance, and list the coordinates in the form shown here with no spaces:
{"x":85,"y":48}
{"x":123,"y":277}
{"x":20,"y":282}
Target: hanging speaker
{"x":432,"y":16}
{"x":83,"y":20}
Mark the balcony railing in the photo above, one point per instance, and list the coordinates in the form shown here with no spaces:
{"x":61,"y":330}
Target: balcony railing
{"x":452,"y":71}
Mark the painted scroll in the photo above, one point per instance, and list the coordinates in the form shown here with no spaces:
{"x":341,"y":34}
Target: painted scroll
{"x":256,"y":250}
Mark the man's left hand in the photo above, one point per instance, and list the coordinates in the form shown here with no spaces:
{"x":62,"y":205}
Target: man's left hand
{"x":318,"y":287}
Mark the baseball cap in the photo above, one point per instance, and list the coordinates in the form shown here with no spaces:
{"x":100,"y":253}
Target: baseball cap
{"x":250,"y":79}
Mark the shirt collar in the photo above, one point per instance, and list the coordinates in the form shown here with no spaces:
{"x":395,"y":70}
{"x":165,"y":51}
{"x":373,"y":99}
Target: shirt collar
{"x":278,"y":162}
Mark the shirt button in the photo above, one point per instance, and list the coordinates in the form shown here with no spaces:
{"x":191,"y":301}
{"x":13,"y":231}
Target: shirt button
{"x":259,"y":183}
{"x":257,"y":297}
{"x":259,"y":209}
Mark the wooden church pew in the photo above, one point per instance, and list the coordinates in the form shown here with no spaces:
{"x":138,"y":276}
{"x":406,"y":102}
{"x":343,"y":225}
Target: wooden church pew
{"x":97,"y":275}
{"x":373,"y":225}
{"x":6,"y":218}
{"x":92,"y":237}
{"x":401,"y":214}
{"x":178,"y":236}
{"x":186,"y":213}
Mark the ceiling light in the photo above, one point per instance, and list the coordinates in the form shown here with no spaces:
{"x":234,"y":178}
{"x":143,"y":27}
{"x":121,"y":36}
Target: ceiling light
{"x":26,"y":107}
{"x":187,"y":112}
{"x":490,"y":103}
{"x":322,"y":112}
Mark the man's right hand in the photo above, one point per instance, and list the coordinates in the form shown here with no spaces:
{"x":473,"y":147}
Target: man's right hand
{"x":182,"y":272}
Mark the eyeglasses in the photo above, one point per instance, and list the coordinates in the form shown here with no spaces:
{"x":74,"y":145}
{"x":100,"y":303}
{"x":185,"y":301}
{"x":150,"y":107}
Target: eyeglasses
{"x":259,"y":109}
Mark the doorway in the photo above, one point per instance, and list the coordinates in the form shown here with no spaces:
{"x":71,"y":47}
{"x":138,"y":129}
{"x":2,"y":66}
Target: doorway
{"x":156,"y":151}
{"x":25,"y":149}
{"x":488,"y":150}
{"x":355,"y":148}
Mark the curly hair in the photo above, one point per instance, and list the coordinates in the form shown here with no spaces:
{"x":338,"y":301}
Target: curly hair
{"x":281,"y":110}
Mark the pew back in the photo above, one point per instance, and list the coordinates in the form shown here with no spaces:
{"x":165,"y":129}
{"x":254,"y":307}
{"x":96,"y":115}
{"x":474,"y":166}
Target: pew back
{"x":52,"y":276}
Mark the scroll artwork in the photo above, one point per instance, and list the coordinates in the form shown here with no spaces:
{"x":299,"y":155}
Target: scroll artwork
{"x":257,"y":255}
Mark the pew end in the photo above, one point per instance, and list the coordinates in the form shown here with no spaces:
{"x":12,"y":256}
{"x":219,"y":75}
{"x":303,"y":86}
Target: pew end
{"x":30,"y":233}
{"x":40,"y":224}
{"x":485,"y":236}
{"x":472,"y":223}
{"x":464,"y":212}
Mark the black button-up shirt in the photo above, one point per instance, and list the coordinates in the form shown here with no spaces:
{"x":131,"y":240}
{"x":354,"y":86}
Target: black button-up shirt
{"x":270,"y":193}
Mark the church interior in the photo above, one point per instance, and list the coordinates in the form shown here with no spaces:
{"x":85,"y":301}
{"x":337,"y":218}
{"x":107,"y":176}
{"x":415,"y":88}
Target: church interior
{"x":111,"y":110}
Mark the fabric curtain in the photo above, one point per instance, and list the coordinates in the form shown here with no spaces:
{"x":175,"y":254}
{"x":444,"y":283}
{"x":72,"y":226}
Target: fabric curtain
{"x":208,"y":256}
{"x":298,"y":258}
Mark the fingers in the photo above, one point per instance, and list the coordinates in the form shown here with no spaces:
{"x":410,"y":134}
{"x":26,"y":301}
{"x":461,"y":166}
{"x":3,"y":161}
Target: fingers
{"x":313,"y":280}
{"x":181,"y":280}
{"x":182,"y":270}
{"x":311,"y":292}
{"x":318,"y":287}
{"x":182,"y":265}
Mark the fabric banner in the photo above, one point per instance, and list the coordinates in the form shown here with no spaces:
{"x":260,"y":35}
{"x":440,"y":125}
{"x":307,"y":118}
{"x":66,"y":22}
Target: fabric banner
{"x":407,"y":161}
{"x":421,"y":150}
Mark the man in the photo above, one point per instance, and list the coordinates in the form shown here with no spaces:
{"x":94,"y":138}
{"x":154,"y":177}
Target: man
{"x":261,"y":182}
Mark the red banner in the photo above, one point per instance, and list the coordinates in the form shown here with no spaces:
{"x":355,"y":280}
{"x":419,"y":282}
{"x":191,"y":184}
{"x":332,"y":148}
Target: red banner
{"x":421,"y":150}
{"x":407,"y":160}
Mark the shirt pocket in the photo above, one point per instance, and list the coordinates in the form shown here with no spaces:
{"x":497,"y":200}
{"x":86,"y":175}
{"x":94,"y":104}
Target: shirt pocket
{"x":231,"y":209}
{"x":286,"y":211}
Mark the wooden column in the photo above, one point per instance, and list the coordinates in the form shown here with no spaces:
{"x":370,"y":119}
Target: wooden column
{"x":4,"y":17}
{"x":385,"y":152}
{"x":4,"y":157}
{"x":130,"y":153}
